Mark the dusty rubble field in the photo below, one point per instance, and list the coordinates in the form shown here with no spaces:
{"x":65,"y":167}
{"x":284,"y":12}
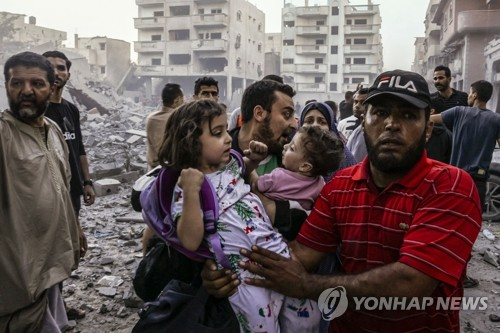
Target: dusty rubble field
{"x":115,"y":251}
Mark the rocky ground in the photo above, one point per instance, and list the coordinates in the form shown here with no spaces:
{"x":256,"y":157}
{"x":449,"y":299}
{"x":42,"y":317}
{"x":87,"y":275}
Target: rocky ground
{"x":102,"y":285}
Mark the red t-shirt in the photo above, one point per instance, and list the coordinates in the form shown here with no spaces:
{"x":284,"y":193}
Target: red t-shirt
{"x":428,"y":220}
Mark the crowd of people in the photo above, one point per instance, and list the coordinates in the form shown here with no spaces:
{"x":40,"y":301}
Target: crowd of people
{"x":385,"y":203}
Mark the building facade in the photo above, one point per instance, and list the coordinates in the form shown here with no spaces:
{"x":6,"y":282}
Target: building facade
{"x":330,"y":47}
{"x":180,"y":41}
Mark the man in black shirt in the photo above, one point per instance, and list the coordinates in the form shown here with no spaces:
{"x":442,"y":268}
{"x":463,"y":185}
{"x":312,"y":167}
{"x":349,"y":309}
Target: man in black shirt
{"x":67,"y":116}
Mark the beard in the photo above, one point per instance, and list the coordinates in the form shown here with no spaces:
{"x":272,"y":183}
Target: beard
{"x":265,"y":134}
{"x":24,"y":113}
{"x":390,"y":163}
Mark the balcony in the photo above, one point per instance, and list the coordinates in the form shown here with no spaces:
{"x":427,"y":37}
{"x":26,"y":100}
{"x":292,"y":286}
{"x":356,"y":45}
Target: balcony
{"x":209,"y":45}
{"x":312,"y":30}
{"x":361,"y":10}
{"x":149,"y":46}
{"x":363,"y":29}
{"x":360,"y":48}
{"x":316,"y":11}
{"x":433,"y":50}
{"x":311,"y":87}
{"x":220,"y":20}
{"x":361,"y":69}
{"x":149,"y":2}
{"x":150,"y":22}
{"x":150,"y":70}
{"x":479,"y":20}
{"x":311,"y":49}
{"x":206,"y":2}
{"x":179,"y":46}
{"x":311,"y":68}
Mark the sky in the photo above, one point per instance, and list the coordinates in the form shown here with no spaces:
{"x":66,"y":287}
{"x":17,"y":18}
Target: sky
{"x":402,"y":21}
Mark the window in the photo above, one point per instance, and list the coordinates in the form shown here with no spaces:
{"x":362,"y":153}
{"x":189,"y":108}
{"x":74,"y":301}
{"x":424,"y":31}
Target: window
{"x":359,"y":61}
{"x":320,"y":22}
{"x":288,"y":42}
{"x":216,"y":11}
{"x":103,"y":69}
{"x":179,"y":59}
{"x":335,"y":11}
{"x":201,"y":11}
{"x":320,"y":42}
{"x":333,"y":86}
{"x":179,"y":10}
{"x":216,"y":35}
{"x":237,"y":44}
{"x":335,"y":30}
{"x":357,"y":80}
{"x":289,"y":24}
{"x":287,"y":61}
{"x":348,"y":41}
{"x":155,"y":37}
{"x":158,"y":13}
{"x":270,"y":38}
{"x":361,"y":21}
{"x":359,"y":41}
{"x":318,"y":79}
{"x":200,"y":36}
{"x":318,"y":60}
{"x":238,"y":62}
{"x":333,"y":69}
{"x":334,"y":49}
{"x":259,"y":28}
{"x":156,"y":62}
{"x":179,"y":34}
{"x":348,"y":60}
{"x":238,"y":15}
{"x":346,"y":80}
{"x":349,"y":22}
{"x":259,"y":47}
{"x":102,"y":46}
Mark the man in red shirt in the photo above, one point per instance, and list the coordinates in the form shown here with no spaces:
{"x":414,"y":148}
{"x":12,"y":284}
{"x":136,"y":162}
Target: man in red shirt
{"x":403,"y":224}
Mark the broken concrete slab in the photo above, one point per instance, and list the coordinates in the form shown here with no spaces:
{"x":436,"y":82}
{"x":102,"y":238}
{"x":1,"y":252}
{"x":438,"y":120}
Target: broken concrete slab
{"x":106,"y":186}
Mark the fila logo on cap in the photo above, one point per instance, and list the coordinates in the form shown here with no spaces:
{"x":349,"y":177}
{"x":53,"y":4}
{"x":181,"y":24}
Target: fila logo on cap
{"x":394,"y":82}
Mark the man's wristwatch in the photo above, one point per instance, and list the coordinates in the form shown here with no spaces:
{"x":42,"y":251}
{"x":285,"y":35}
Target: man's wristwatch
{"x":88,"y":182}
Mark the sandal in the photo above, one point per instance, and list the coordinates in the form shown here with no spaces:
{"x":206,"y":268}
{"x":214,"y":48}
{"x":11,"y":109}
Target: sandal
{"x":470,"y":282}
{"x":74,"y":314}
{"x":494,"y":318}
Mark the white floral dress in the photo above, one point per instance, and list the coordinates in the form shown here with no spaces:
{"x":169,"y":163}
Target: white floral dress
{"x":242,"y":223}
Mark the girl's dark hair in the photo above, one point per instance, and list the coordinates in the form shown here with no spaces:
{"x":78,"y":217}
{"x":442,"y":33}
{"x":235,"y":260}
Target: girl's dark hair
{"x":181,"y":146}
{"x":322,"y":149}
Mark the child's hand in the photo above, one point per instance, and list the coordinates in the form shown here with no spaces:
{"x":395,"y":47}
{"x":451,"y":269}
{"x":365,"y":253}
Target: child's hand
{"x":191,"y":179}
{"x":256,"y":152}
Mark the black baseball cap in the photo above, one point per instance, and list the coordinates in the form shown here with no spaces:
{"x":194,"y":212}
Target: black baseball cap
{"x":406,"y":85}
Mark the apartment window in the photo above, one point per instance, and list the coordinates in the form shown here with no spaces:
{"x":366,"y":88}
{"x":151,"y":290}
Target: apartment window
{"x":359,"y":61}
{"x":237,"y":44}
{"x":287,"y":61}
{"x":357,"y":80}
{"x":179,"y":59}
{"x":201,"y":11}
{"x":333,"y":69}
{"x":259,"y":28}
{"x":320,"y":22}
{"x":179,"y":34}
{"x":216,"y":35}
{"x":156,"y":62}
{"x":259,"y":47}
{"x":102,"y":46}
{"x":348,"y":61}
{"x":348,"y":41}
{"x":238,"y":62}
{"x":318,"y":60}
{"x":334,"y":49}
{"x":333,"y":86}
{"x":216,"y":11}
{"x":238,"y":15}
{"x":288,"y":42}
{"x":361,"y":21}
{"x":103,"y":69}
{"x":359,"y":41}
{"x":349,"y":22}
{"x":158,"y":13}
{"x":200,"y":36}
{"x":289,"y":24}
{"x":155,"y":37}
{"x":179,"y":10}
{"x":270,"y":38}
{"x":334,"y":30}
{"x":318,"y":79}
{"x":335,"y":11}
{"x":346,"y":80}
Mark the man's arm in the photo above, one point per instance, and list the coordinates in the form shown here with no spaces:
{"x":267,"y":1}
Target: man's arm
{"x":88,"y":190}
{"x":437,"y":118}
{"x":289,"y":277}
